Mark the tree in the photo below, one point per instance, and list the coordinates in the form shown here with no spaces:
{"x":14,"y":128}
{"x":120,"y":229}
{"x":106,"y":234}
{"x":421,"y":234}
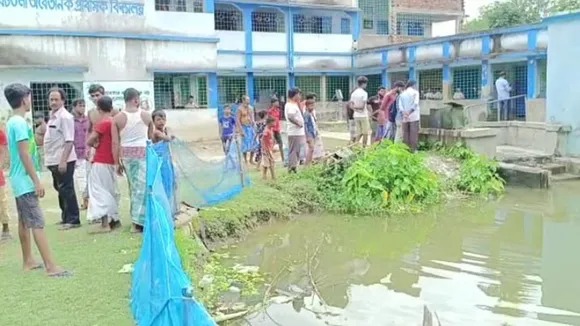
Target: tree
{"x":517,"y":12}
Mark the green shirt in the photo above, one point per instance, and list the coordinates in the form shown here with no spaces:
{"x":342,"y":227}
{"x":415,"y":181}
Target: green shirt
{"x":18,"y":130}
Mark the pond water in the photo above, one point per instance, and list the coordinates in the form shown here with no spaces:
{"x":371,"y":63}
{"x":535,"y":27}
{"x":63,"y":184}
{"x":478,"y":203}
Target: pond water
{"x":514,"y":261}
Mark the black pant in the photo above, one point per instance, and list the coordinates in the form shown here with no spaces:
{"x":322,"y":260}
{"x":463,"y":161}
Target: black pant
{"x":67,"y":198}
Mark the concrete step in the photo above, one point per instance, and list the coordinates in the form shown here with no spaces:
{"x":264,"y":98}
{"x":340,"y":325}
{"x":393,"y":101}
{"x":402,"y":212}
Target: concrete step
{"x":555,"y":168}
{"x":565,"y":177}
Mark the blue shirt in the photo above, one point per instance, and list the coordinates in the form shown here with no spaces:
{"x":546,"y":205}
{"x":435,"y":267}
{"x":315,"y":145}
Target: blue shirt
{"x":18,"y":130}
{"x":310,"y":125}
{"x":228,"y":124}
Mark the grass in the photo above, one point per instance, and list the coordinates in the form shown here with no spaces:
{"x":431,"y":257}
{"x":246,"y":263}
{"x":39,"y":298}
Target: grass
{"x":95,"y":295}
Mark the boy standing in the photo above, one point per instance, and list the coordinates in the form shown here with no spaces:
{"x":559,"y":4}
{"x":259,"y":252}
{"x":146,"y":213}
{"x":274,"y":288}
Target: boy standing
{"x":267,"y":145}
{"x":275,"y":113}
{"x":103,"y":188}
{"x":80,"y":147}
{"x":25,"y":180}
{"x":4,"y":217}
{"x":310,"y":127}
{"x":227,"y":128}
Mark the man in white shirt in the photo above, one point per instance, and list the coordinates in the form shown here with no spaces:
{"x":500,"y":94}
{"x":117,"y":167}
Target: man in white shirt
{"x":358,"y":101}
{"x":295,"y":128}
{"x":411,"y":113}
{"x":503,"y":89}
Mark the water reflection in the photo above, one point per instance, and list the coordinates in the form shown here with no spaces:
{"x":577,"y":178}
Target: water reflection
{"x":515,"y":261}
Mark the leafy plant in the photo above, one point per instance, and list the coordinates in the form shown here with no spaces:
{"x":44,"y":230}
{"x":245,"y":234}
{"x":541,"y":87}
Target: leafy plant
{"x":388,"y":176}
{"x":479,"y":175}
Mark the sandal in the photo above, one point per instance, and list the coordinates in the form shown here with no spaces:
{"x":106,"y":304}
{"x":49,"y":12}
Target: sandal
{"x":63,"y":274}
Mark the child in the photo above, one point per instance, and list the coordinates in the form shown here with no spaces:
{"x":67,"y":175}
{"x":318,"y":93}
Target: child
{"x":25,"y":180}
{"x":276,"y":113}
{"x":227,"y":128}
{"x":310,"y":128}
{"x":4,"y":217}
{"x":267,"y":149}
{"x":260,"y":126}
{"x":103,"y":187}
{"x":381,"y":126}
{"x":160,"y":132}
{"x":80,"y":147}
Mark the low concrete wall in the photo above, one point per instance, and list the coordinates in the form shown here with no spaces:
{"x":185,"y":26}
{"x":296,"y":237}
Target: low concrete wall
{"x":481,"y":140}
{"x":545,"y":137}
{"x":194,"y":124}
{"x":536,"y":110}
{"x":520,"y":175}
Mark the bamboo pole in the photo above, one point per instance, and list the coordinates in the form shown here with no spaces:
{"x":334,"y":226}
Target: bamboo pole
{"x":239,"y":152}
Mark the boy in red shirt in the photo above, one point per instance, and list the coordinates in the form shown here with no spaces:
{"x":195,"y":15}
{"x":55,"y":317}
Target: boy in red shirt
{"x":4,"y":218}
{"x":103,"y":187}
{"x":268,"y":149}
{"x":275,"y":112}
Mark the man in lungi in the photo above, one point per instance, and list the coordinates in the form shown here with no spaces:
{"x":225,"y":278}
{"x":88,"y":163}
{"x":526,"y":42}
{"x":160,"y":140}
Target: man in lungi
{"x":103,"y":188}
{"x":295,"y":128}
{"x":247,"y":129}
{"x":131,"y":131}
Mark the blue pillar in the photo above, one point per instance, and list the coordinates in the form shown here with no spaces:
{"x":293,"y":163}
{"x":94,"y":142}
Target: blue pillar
{"x":250,"y":86}
{"x":213,"y":90}
{"x":209,"y":6}
{"x":384,"y":73}
{"x":447,"y":91}
{"x":355,"y":17}
{"x":485,"y":67}
{"x":411,"y":61}
{"x":247,"y":18}
{"x":291,"y":80}
{"x":290,"y":39}
{"x":532,"y":65}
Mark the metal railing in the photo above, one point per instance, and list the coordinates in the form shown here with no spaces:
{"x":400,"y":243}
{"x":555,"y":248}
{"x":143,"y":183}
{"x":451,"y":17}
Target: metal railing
{"x":510,"y":109}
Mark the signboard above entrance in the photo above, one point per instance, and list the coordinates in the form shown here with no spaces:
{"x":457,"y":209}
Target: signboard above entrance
{"x":88,"y":6}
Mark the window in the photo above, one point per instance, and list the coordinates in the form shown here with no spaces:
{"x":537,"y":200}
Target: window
{"x":228,"y":18}
{"x":368,"y":24}
{"x":383,"y":27}
{"x":431,"y":84}
{"x":312,"y":24}
{"x":414,"y":25}
{"x":40,"y":96}
{"x":467,"y":82}
{"x":344,"y":26}
{"x":179,"y":5}
{"x":268,"y":21}
{"x":174,"y":91}
{"x":335,"y":83}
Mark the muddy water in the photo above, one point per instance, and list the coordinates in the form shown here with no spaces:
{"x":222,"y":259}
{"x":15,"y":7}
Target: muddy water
{"x":515,"y":261}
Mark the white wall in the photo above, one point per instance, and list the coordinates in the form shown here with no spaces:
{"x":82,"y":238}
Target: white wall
{"x":269,"y":41}
{"x":70,"y":19}
{"x":322,"y":62}
{"x":231,"y":40}
{"x":564,"y":77}
{"x":106,"y":58}
{"x":231,"y":61}
{"x":322,"y":43}
{"x":270,"y":61}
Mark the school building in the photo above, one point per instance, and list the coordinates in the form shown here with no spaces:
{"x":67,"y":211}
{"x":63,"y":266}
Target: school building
{"x":218,"y":50}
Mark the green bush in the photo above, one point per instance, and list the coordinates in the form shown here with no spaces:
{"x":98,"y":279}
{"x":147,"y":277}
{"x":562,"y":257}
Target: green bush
{"x":478,"y":175}
{"x":388,"y":176}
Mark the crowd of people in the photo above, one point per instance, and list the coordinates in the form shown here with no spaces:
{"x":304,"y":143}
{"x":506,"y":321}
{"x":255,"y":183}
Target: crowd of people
{"x":395,"y":114}
{"x":84,"y":152}
{"x":260,"y":132}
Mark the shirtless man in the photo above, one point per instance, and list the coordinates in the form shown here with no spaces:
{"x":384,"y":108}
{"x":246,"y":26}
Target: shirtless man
{"x":247,"y":128}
